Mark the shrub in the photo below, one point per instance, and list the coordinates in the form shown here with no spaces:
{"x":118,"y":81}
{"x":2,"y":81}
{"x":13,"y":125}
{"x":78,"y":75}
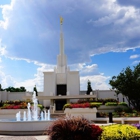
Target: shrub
{"x":95,"y":104}
{"x":103,"y":101}
{"x":123,"y":103}
{"x":82,"y":105}
{"x":111,"y":104}
{"x":102,"y":114}
{"x":110,"y":100}
{"x":74,"y":128}
{"x":41,"y":107}
{"x":119,"y":109}
{"x":120,"y":132}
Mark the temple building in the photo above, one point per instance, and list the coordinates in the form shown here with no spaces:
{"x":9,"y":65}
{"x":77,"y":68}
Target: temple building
{"x":61,"y":81}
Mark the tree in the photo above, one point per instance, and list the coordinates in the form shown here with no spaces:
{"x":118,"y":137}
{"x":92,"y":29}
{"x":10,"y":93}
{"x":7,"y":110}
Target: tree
{"x":89,"y":88}
{"x":12,"y":89}
{"x":127,"y":83}
{"x":1,"y":89}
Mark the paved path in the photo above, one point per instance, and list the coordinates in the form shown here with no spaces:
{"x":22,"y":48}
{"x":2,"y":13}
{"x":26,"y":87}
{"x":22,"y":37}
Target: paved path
{"x":42,"y":137}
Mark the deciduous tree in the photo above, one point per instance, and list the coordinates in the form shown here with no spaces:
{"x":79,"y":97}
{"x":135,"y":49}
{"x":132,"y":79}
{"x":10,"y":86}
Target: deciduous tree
{"x":127,"y":83}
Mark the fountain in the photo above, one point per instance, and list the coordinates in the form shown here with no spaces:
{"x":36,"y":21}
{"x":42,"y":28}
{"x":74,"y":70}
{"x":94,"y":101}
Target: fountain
{"x":31,"y":122}
{"x":33,"y":115}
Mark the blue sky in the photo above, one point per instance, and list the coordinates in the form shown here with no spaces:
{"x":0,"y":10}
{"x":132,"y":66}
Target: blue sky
{"x":100,"y":38}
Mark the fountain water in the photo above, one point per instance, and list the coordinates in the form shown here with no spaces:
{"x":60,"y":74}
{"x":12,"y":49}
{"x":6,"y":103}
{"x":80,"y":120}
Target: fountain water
{"x":35,"y":107}
{"x":33,"y":114}
{"x":18,"y":116}
{"x":29,"y":112}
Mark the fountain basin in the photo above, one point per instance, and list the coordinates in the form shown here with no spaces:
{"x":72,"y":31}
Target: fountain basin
{"x":10,"y":113}
{"x":9,"y":127}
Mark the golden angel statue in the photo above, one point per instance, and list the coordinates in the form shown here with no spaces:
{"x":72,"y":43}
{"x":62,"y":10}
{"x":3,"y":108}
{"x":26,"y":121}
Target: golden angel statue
{"x":61,"y":20}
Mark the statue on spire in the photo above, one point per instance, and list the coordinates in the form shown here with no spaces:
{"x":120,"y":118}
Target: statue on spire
{"x":61,"y":20}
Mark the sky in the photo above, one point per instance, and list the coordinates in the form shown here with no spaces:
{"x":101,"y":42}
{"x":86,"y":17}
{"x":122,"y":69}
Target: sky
{"x":101,"y":38}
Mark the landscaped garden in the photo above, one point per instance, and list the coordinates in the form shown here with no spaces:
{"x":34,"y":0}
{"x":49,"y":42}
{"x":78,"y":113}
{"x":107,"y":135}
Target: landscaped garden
{"x":13,"y":105}
{"x":78,"y":128}
{"x":85,"y":103}
{"x":121,"y":109}
{"x":17,"y":104}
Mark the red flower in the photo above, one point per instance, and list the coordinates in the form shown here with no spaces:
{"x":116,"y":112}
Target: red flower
{"x":97,"y":131}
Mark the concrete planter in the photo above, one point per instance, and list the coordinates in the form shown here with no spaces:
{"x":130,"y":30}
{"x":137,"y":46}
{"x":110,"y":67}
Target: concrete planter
{"x":88,"y":113}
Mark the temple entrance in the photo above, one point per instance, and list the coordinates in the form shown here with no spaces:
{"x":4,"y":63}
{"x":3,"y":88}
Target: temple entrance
{"x":61,"y":90}
{"x":60,"y":104}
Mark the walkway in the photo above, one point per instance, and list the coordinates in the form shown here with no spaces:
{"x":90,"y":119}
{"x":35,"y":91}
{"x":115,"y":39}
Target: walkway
{"x":43,"y":137}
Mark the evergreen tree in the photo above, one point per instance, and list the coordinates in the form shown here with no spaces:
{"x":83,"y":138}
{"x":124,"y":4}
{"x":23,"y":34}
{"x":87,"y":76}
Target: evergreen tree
{"x":89,"y":88}
{"x":35,"y":89}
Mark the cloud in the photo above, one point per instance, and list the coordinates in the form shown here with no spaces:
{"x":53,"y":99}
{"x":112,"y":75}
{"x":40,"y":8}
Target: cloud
{"x":87,"y":72}
{"x":135,"y":3}
{"x":134,"y":56}
{"x":97,"y":82}
{"x":2,"y":49}
{"x":136,"y":62}
{"x":30,"y":32}
{"x":6,"y":80}
{"x":85,"y":69}
{"x":91,"y":72}
{"x":33,"y":27}
{"x":38,"y":77}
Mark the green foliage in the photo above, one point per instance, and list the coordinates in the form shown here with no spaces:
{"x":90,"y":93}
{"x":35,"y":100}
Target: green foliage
{"x":1,"y":89}
{"x":73,"y":128}
{"x":111,"y":104}
{"x":110,"y":100}
{"x":123,"y":103}
{"x":127,"y":110}
{"x":95,"y":104}
{"x":89,"y":88}
{"x":41,"y":107}
{"x":67,"y":106}
{"x":103,"y":101}
{"x":12,"y":89}
{"x":128,"y":83}
{"x":120,"y":132}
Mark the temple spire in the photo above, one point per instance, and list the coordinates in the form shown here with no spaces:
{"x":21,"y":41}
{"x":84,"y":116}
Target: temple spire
{"x":61,"y":59}
{"x":61,"y":37}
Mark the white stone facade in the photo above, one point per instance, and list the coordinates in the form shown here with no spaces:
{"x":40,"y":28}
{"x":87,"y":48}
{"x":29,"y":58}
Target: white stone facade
{"x":61,"y":76}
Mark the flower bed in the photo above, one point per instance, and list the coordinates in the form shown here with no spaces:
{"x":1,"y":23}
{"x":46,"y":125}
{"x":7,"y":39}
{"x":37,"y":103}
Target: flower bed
{"x":120,"y":132}
{"x":82,"y":105}
{"x":13,"y":105}
{"x":79,"y":128}
{"x":17,"y":104}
